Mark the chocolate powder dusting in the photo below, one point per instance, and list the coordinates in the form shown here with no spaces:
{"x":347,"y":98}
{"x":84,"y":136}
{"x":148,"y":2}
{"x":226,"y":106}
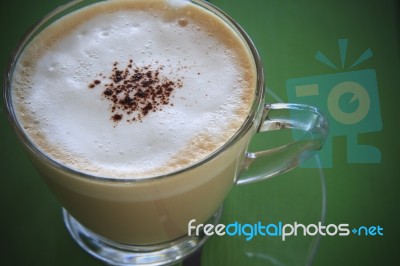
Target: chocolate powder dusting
{"x":136,"y":91}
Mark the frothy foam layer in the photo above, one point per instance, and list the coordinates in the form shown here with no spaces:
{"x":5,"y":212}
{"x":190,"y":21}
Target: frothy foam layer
{"x":134,"y":88}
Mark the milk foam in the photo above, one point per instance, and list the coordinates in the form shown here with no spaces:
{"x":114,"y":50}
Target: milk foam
{"x":71,"y":122}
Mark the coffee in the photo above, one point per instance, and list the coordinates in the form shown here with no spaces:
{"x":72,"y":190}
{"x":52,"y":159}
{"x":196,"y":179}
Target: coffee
{"x":127,"y":96}
{"x":134,"y":89}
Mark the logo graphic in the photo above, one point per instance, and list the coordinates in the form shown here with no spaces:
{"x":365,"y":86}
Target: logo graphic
{"x":349,"y":99}
{"x":281,"y":230}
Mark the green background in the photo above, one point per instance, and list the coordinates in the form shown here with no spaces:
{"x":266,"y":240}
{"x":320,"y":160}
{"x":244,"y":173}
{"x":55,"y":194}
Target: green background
{"x":287,"y":35}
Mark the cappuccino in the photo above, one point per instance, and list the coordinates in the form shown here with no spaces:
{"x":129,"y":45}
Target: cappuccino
{"x":134,"y":102}
{"x":133,"y":89}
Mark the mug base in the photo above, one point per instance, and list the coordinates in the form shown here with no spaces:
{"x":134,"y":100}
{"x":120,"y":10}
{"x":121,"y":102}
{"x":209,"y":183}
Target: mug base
{"x":117,"y":254}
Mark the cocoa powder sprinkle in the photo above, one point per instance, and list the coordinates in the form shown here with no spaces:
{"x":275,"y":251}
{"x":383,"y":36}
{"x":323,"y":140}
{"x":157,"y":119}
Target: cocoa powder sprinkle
{"x":135,"y":91}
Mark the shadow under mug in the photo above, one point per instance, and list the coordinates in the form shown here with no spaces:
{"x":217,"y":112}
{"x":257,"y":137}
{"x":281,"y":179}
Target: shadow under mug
{"x":145,"y":222}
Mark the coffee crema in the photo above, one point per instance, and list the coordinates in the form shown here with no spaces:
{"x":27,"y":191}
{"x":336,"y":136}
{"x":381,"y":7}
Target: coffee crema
{"x":134,"y":89}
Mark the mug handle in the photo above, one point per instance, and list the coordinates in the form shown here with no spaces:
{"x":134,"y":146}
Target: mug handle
{"x":309,"y":120}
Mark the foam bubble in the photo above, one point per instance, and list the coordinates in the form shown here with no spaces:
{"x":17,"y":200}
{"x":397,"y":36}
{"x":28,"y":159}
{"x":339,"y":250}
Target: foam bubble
{"x":177,"y":3}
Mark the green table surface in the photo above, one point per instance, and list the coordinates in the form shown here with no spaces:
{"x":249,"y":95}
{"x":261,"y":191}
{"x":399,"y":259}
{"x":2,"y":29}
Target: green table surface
{"x":359,"y":189}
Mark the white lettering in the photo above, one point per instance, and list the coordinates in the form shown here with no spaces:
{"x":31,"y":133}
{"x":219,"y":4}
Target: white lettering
{"x":190,"y":226}
{"x":220,"y":229}
{"x":344,"y":231}
{"x":287,"y":233}
{"x":208,"y":229}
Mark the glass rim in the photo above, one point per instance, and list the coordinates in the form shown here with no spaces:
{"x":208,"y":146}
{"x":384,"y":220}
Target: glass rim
{"x":258,"y":97}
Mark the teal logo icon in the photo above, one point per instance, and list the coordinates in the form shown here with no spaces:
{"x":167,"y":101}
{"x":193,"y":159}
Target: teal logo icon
{"x":349,"y":99}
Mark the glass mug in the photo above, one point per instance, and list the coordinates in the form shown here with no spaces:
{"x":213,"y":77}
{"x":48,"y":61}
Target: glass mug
{"x":145,"y":221}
